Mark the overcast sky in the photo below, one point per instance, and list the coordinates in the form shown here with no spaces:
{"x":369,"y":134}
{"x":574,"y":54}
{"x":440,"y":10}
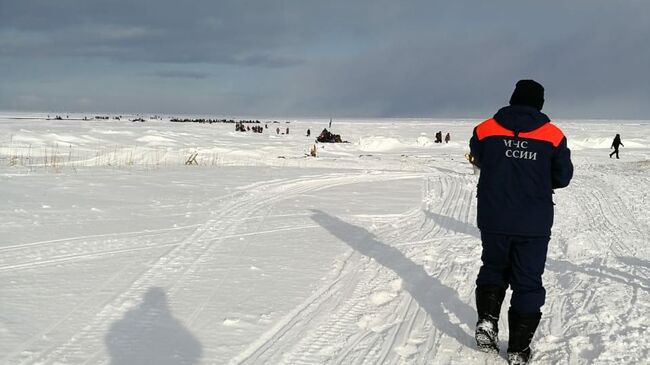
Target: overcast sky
{"x":317,"y":58}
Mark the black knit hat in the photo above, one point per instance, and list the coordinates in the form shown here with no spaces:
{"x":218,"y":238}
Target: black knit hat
{"x":528,"y":92}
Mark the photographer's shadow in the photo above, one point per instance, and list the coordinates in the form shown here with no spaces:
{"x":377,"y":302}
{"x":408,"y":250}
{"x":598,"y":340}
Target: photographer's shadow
{"x":439,"y":301}
{"x":149,"y":334}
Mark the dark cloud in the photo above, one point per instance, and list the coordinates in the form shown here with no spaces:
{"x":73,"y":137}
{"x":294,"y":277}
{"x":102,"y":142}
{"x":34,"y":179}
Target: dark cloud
{"x":342,"y":58}
{"x":181,"y":74}
{"x":590,"y":61}
{"x":245,"y":33}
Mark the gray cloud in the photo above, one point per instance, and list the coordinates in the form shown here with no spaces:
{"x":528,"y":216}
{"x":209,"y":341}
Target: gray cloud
{"x":230,"y":32}
{"x":181,"y":74}
{"x":591,"y":62}
{"x":339,"y":58}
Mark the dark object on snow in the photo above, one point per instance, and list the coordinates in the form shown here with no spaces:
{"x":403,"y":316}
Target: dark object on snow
{"x":522,"y":328}
{"x":438,"y":137}
{"x":519,"y":142}
{"x":329,"y":137}
{"x":528,"y":93}
{"x":488,"y":306}
{"x":192,"y":159}
{"x":522,"y":157}
{"x":615,"y":145}
{"x":308,"y":133}
{"x":447,"y":138}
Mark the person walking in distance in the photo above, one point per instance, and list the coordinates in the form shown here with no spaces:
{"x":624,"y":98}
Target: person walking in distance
{"x":522,"y":157}
{"x":615,"y":145}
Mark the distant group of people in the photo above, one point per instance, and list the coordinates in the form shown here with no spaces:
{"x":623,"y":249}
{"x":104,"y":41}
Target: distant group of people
{"x":240,"y":127}
{"x":277,"y":130}
{"x":439,"y":137}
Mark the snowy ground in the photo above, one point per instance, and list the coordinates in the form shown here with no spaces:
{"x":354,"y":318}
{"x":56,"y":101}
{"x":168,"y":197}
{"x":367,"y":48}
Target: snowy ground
{"x":113,"y":251}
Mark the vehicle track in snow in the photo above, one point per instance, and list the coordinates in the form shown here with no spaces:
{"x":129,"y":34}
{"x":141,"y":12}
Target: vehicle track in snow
{"x":404,"y":291}
{"x":59,"y":259}
{"x":593,"y":254}
{"x":388,"y":318}
{"x":174,"y":263}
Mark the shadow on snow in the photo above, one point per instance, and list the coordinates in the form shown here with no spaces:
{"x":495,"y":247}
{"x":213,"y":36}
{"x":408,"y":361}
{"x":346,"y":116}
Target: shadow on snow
{"x":438,"y":300}
{"x":561,"y":266}
{"x":149,"y":334}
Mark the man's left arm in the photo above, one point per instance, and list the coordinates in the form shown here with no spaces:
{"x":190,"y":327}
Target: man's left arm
{"x":561,"y":166}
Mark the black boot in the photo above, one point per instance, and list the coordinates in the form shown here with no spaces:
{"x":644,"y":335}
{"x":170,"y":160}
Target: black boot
{"x":522,"y":328}
{"x":488,"y":306}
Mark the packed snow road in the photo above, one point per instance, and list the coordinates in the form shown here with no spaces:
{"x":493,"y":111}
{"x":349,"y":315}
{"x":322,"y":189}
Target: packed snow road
{"x":357,"y":257}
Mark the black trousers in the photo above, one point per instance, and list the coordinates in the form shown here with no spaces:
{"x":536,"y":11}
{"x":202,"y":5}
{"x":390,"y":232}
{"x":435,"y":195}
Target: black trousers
{"x":615,"y":152}
{"x":518,"y":262}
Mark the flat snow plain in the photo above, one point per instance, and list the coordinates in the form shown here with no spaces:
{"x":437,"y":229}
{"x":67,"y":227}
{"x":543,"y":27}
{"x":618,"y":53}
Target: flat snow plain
{"x":112,"y":250}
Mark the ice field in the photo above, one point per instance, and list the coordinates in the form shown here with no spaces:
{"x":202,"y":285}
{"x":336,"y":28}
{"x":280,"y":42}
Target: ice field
{"x":114,"y":251}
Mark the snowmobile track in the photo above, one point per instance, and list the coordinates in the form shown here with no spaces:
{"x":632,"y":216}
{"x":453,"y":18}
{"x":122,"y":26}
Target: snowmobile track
{"x":171,"y":266}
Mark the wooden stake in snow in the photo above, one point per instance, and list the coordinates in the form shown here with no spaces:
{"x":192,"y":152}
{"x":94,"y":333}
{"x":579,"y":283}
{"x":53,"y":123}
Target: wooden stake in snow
{"x":192,"y":159}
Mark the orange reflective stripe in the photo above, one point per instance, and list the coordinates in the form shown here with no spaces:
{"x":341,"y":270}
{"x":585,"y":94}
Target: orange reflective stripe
{"x":548,"y":132}
{"x":491,"y":128}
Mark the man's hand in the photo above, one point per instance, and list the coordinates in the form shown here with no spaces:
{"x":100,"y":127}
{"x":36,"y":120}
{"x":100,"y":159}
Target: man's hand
{"x":471,"y":158}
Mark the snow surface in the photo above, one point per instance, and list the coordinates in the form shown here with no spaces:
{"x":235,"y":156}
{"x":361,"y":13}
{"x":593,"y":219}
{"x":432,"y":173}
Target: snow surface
{"x":112,"y":250}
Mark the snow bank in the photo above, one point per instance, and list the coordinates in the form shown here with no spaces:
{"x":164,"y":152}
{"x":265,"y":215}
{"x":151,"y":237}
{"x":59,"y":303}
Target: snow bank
{"x":156,"y":140}
{"x":382,"y":144}
{"x":110,"y":131}
{"x":601,"y":142}
{"x":423,"y":141}
{"x":379,"y":144}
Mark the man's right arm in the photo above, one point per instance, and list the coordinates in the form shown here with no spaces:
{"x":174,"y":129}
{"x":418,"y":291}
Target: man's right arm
{"x":475,"y":150}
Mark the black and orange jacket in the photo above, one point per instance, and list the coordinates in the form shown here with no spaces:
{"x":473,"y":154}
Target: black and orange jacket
{"x":522,"y":157}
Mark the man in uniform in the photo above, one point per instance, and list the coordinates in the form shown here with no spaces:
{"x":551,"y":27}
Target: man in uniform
{"x":522,"y":157}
